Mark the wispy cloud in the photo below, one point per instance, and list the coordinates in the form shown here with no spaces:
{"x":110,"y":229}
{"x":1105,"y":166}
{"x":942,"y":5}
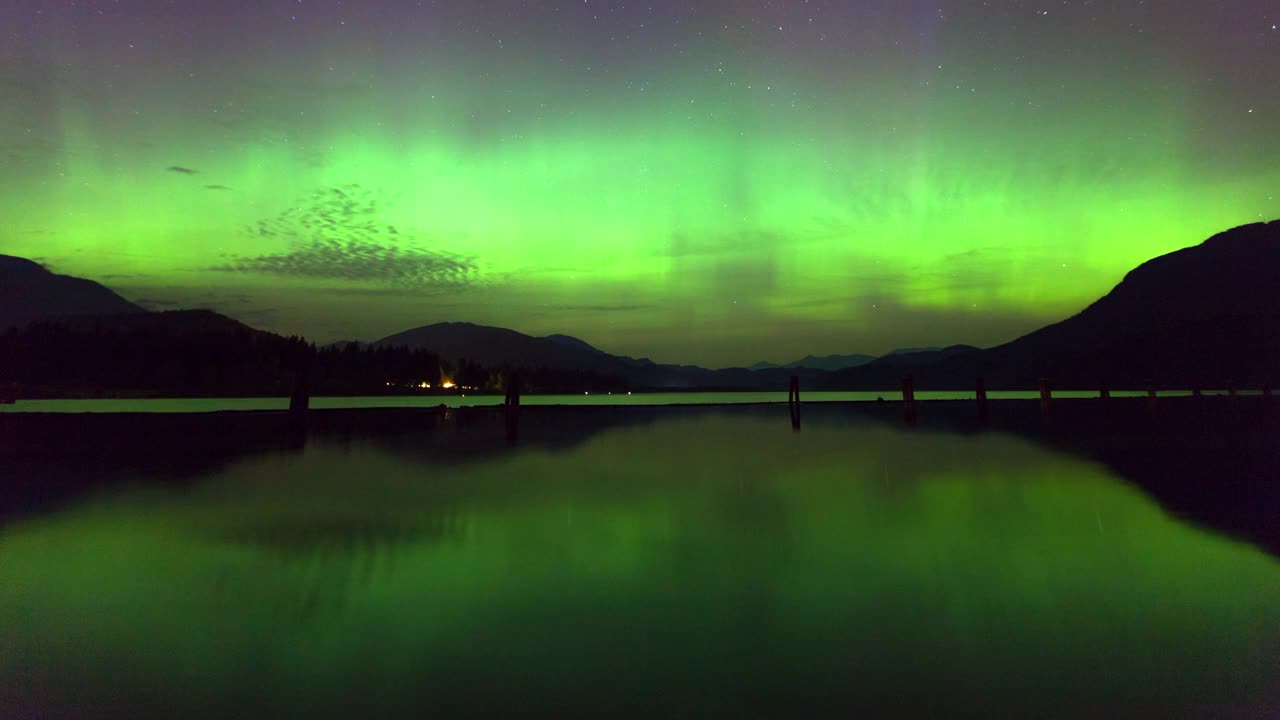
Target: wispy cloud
{"x":362,"y":261}
{"x":339,"y":233}
{"x":216,"y":187}
{"x":182,"y":170}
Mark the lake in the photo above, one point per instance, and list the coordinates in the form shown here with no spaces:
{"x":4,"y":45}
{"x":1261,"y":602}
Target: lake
{"x":643,"y":562}
{"x":176,"y":405}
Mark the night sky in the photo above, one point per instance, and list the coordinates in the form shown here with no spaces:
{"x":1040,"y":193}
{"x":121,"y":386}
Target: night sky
{"x":713,"y":182}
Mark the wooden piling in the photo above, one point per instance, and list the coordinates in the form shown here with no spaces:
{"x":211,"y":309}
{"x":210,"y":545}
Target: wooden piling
{"x":1151,"y":391}
{"x":1104,"y":392}
{"x":793,"y":402}
{"x":909,"y":399}
{"x":8,"y":393}
{"x":511,"y":408}
{"x":1231,"y":389}
{"x":1266,"y":390}
{"x":513,"y":390}
{"x":300,"y":399}
{"x":980,"y":393}
{"x":1046,"y":395}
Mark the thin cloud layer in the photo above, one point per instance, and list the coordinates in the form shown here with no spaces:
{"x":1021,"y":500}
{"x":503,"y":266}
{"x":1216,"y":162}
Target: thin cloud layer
{"x":362,"y":261}
{"x":339,"y":233}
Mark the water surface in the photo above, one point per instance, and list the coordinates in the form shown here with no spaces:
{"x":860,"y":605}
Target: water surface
{"x":695,"y":561}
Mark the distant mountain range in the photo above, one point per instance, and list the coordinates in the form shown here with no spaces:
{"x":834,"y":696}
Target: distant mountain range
{"x":840,"y":362}
{"x":826,"y":362}
{"x":30,"y":292}
{"x":1205,"y":315}
{"x":500,"y":347}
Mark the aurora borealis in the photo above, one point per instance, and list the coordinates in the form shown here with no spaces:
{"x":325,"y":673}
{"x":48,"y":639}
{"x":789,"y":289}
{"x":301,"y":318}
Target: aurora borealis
{"x":714,"y":182}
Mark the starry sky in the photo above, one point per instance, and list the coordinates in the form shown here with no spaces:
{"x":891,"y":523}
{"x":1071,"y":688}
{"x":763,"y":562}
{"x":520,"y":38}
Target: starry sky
{"x":717,"y":182}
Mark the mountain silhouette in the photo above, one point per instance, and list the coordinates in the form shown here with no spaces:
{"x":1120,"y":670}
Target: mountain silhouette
{"x":913,"y":351}
{"x":917,"y":357}
{"x":1203,"y":316}
{"x":571,"y":341}
{"x":29,"y":292}
{"x":501,"y":347}
{"x":173,"y":323}
{"x":826,"y":362}
{"x":497,"y":347}
{"x":841,"y":362}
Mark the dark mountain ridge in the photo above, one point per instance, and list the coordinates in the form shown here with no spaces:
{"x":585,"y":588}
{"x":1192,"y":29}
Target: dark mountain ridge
{"x":1203,"y":316}
{"x":495,"y":347}
{"x":29,"y":292}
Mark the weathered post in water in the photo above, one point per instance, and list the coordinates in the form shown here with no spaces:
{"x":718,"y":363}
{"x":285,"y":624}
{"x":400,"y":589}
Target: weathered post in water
{"x":511,"y":408}
{"x":300,"y":399}
{"x":1231,"y":389}
{"x":513,"y":390}
{"x":793,"y":402}
{"x":1104,"y":392}
{"x":1266,"y":390}
{"x":8,"y":393}
{"x":1046,"y":395}
{"x":1151,"y":392}
{"x":909,"y":399}
{"x":980,"y":392}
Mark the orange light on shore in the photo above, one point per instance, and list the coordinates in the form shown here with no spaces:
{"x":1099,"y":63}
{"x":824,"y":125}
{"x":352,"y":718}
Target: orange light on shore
{"x":447,"y":385}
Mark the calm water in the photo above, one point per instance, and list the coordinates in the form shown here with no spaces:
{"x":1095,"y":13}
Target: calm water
{"x":171,"y":405}
{"x":692,"y":561}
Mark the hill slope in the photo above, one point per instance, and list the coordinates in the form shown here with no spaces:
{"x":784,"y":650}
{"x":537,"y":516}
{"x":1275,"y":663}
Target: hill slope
{"x":495,"y":347}
{"x":1199,"y":317}
{"x":29,"y":292}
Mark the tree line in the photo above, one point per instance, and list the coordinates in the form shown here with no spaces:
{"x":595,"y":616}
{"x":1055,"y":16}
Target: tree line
{"x":55,"y":358}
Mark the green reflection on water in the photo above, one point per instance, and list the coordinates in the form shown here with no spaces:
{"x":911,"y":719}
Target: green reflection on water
{"x":709,"y":563}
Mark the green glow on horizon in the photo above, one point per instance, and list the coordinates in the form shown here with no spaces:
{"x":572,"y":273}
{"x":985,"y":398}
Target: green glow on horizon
{"x":713,"y":216}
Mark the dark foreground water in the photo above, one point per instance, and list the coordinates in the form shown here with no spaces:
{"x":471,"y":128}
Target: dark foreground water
{"x":640,"y":562}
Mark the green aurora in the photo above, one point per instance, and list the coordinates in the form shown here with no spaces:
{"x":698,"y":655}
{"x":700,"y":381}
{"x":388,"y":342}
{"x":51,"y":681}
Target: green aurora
{"x":718,"y":191}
